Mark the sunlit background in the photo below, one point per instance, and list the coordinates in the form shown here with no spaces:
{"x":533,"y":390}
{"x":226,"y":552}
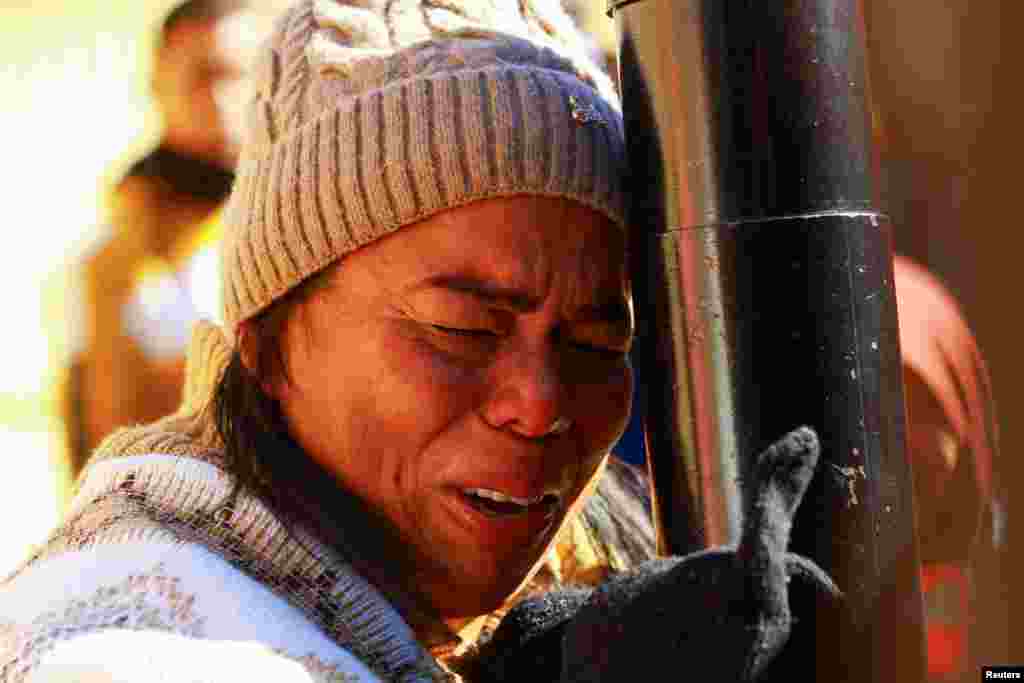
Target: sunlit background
{"x":74,"y":110}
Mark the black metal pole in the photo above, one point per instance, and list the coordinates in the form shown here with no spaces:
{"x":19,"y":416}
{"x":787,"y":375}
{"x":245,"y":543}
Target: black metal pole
{"x":765,"y":295}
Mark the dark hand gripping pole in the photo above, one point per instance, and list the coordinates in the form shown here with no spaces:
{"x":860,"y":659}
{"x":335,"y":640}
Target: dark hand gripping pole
{"x":765,"y":296}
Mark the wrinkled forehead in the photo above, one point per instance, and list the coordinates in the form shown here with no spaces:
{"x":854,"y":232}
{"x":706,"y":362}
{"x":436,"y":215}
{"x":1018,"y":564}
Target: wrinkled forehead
{"x":526,"y":243}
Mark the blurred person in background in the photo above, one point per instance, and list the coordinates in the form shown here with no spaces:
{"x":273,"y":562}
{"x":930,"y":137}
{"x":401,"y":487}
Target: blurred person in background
{"x":952,"y":440}
{"x":155,"y":274}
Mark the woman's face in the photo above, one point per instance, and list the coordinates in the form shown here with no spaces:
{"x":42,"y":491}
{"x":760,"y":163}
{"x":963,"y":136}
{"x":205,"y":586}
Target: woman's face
{"x":465,"y":377}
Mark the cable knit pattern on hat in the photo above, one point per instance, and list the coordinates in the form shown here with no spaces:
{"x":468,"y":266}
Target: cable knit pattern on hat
{"x":370,"y":115}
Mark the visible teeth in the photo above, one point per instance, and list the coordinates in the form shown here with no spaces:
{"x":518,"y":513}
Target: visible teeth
{"x":499,"y":497}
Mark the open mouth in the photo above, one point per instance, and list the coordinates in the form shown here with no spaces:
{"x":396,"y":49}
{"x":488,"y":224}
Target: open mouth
{"x":497,"y":504}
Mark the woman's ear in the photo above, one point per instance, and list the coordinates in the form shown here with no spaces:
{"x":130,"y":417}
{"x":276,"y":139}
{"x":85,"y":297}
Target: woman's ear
{"x":249,"y":351}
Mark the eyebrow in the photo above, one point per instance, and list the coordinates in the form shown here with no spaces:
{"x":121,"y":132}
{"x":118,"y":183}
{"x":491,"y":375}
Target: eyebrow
{"x":488,"y":292}
{"x":613,"y":312}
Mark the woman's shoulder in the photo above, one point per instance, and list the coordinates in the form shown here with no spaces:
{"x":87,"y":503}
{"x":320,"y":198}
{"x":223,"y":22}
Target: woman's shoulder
{"x":188,"y":596}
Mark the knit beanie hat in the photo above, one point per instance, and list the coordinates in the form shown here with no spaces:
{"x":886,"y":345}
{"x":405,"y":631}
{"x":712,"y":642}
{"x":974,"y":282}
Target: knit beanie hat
{"x":369,"y":115}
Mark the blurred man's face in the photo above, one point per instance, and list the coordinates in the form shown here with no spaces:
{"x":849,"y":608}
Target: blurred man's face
{"x":200,"y":85}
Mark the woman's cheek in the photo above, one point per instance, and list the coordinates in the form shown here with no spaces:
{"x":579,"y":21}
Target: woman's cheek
{"x":418,"y":360}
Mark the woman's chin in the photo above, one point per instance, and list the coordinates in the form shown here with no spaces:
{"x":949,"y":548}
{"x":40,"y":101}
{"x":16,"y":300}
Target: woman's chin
{"x":476,"y":562}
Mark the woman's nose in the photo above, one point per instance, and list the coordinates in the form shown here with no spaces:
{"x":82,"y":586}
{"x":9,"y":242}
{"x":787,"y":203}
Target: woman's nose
{"x":529,"y":396}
